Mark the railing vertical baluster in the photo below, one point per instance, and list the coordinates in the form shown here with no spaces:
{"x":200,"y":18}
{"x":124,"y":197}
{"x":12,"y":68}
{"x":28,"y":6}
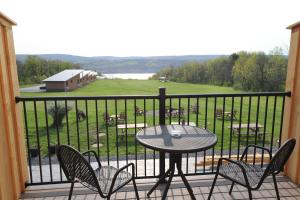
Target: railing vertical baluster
{"x":206,"y":107}
{"x":77,"y":125}
{"x":87,"y":128}
{"x":273,"y":123}
{"x":197,"y":124}
{"x":107,"y":136}
{"x":214,"y":130}
{"x":197,"y":112}
{"x":145,"y":150}
{"x":57,"y":134}
{"x":239,"y":132}
{"x":265,"y":127}
{"x":38,"y":140}
{"x":117,"y":134}
{"x":256,"y":127}
{"x":135,"y":142}
{"x":249,"y":118}
{"x":153,"y":105}
{"x":188,"y":122}
{"x":162,"y":116}
{"x":48,"y":139}
{"x":179,"y":109}
{"x":67,"y":121}
{"x":222,"y":132}
{"x":27,"y":141}
{"x":231,"y":122}
{"x":126,"y":132}
{"x":205,"y":126}
{"x":170,"y":109}
{"x":97,"y":127}
{"x":188,"y":111}
{"x":281,"y":120}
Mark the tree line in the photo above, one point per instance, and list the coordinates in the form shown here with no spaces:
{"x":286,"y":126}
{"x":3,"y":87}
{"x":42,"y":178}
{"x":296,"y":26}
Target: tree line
{"x":244,"y":70}
{"x":35,"y":69}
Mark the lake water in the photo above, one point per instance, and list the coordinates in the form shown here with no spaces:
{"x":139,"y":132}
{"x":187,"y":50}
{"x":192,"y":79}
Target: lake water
{"x":139,"y":76}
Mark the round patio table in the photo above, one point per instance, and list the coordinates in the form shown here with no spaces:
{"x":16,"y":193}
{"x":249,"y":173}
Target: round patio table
{"x":176,"y":140}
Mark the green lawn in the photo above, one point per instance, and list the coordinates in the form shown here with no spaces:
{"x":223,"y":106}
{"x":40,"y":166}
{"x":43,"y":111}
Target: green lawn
{"x":87,"y":129}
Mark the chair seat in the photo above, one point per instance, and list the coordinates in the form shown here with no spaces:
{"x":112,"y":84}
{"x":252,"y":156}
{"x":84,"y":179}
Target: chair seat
{"x":105,"y":176}
{"x":233,"y":171}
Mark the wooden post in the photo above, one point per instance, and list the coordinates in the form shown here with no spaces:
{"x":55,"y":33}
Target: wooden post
{"x":291,"y":121}
{"x":13,"y":167}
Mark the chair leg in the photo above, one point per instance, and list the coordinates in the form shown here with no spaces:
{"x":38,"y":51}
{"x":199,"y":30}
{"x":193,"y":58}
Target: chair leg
{"x":250,"y":193}
{"x":232,"y":184}
{"x":276,"y":188}
{"x":71,"y":190}
{"x":135,"y":189}
{"x":212,"y":187}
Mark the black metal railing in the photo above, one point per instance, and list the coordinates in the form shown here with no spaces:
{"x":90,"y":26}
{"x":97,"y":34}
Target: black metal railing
{"x":108,"y":124}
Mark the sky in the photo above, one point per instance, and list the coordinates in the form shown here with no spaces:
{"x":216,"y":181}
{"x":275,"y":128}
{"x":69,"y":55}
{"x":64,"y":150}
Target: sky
{"x":150,"y":27}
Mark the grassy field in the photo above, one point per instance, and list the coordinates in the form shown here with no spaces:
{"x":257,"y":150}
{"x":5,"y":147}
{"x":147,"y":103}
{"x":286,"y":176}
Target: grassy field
{"x":85,"y":134}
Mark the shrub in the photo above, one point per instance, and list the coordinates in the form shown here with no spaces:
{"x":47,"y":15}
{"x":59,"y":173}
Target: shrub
{"x":58,"y":112}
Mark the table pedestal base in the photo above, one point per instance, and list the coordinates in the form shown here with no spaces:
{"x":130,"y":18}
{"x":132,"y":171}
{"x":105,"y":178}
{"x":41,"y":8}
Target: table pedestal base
{"x":175,"y":159}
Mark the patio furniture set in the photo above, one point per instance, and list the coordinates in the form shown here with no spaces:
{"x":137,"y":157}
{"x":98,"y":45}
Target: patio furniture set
{"x":175,"y":140}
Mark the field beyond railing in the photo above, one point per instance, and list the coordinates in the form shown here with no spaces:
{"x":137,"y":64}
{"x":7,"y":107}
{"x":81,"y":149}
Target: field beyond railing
{"x":108,"y":124}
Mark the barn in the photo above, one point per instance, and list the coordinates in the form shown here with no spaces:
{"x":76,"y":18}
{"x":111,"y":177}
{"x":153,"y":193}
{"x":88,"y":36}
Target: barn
{"x":66,"y":80}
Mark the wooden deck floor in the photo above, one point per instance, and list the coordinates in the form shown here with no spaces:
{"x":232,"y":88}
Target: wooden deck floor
{"x":200,"y":184}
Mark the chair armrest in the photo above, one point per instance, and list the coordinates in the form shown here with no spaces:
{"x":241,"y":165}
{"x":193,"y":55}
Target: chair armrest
{"x":95,"y":155}
{"x":236,"y":163}
{"x":231,"y":161}
{"x":117,"y":174}
{"x":255,"y":147}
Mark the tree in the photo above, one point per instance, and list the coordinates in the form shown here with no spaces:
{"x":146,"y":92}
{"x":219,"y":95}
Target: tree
{"x":58,"y":111}
{"x":35,"y":69}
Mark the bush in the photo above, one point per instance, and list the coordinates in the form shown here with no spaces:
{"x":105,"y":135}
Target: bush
{"x":58,"y":112}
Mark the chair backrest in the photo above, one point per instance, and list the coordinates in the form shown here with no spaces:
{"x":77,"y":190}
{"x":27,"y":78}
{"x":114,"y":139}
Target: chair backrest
{"x":76,"y":167}
{"x":219,"y":112}
{"x":105,"y":115}
{"x":281,"y":156}
{"x":122,"y":116}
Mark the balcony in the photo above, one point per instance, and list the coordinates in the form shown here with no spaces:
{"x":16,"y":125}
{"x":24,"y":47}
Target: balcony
{"x":265,"y":119}
{"x":96,"y":123}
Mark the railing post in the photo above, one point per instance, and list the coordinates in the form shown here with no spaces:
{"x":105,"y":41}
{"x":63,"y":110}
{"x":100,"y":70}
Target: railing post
{"x":162,"y":106}
{"x":162,"y":121}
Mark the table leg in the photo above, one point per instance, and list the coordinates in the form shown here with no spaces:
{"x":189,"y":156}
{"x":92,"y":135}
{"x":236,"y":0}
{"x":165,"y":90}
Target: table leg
{"x":175,"y":159}
{"x":158,"y":182}
{"x":168,"y":183}
{"x":187,"y":185}
{"x":178,"y":158}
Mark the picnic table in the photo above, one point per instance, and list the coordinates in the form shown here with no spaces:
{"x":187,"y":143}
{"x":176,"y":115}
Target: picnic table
{"x":230,"y":114}
{"x":253,"y":129}
{"x":227,"y":114}
{"x":114,"y":116}
{"x":138,"y":126}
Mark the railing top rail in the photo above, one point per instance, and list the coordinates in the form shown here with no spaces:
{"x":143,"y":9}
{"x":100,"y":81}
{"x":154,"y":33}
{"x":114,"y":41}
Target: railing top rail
{"x":246,"y":94}
{"x":61,"y":98}
{"x":113,"y":97}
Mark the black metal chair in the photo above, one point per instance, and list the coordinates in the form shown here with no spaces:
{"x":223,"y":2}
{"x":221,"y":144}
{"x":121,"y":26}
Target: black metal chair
{"x":252,"y":176}
{"x":105,"y":180}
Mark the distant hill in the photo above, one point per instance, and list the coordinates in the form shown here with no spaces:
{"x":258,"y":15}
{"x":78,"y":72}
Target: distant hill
{"x":110,"y":64}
